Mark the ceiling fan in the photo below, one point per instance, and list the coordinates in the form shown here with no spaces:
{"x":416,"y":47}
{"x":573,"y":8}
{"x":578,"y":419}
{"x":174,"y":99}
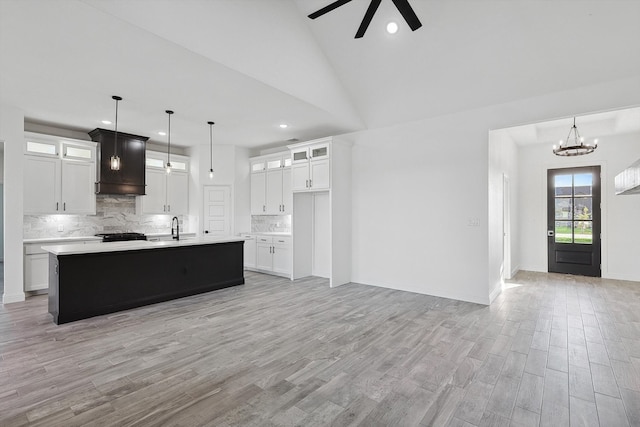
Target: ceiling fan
{"x":403,"y":7}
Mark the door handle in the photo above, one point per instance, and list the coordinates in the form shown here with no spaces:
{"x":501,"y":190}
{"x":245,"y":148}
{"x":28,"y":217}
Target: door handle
{"x":551,"y":233}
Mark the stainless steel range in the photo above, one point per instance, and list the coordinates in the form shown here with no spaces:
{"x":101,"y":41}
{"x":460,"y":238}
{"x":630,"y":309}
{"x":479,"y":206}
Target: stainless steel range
{"x":121,"y":237}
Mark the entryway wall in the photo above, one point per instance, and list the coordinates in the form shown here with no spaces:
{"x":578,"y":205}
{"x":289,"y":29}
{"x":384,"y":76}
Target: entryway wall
{"x":620,"y":230}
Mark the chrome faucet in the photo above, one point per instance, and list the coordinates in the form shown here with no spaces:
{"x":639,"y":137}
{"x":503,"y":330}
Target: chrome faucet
{"x":177,"y":229}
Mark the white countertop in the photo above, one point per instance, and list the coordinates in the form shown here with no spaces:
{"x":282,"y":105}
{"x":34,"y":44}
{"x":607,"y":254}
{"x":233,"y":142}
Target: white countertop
{"x":268,"y":233}
{"x":45,"y":240}
{"x":134,"y":245}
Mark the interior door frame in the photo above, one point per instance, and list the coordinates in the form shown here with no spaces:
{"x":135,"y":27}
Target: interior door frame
{"x":231,"y":203}
{"x":549,"y":212}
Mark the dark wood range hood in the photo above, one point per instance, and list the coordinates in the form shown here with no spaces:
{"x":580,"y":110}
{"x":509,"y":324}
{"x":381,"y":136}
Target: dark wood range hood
{"x":130,"y":179}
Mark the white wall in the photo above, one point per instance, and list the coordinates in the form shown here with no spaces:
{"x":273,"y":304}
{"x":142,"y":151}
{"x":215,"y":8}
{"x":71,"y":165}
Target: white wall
{"x":12,"y":133}
{"x":503,"y":163}
{"x":231,"y":167}
{"x":1,"y":201}
{"x":620,"y":230}
{"x":242,"y":186}
{"x":416,"y":186}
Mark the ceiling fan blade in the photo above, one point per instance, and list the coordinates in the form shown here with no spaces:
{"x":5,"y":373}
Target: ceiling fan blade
{"x":328,"y":8}
{"x":408,"y":14}
{"x":368,"y":16}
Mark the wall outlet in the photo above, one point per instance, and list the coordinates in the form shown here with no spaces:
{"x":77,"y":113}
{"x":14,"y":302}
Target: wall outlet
{"x":60,"y":227}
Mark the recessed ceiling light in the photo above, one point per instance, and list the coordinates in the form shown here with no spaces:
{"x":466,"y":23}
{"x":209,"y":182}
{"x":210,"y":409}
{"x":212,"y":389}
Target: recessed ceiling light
{"x":283,"y":125}
{"x":392,"y":28}
{"x":106,"y":122}
{"x":162,"y":133}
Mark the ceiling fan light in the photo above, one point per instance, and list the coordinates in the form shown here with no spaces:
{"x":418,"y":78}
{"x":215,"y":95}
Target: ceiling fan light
{"x":392,"y":27}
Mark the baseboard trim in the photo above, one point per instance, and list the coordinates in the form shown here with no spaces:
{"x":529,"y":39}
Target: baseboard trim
{"x":494,"y":294}
{"x":11,"y":298}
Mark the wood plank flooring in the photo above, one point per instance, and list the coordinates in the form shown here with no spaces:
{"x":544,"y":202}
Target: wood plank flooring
{"x":552,"y":350}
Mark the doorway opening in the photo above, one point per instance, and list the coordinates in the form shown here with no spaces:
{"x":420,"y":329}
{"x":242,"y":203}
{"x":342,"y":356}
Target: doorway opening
{"x":574,"y":221}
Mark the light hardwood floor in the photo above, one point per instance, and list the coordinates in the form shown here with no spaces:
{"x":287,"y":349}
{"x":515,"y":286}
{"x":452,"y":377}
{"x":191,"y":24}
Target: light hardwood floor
{"x":551,"y":350}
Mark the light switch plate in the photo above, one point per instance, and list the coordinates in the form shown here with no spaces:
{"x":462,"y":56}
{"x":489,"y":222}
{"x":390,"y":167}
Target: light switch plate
{"x":60,"y":227}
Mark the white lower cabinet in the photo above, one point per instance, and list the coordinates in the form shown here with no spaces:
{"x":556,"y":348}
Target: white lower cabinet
{"x":249,"y":251}
{"x":36,"y":272}
{"x":36,"y":264}
{"x":272,"y":254}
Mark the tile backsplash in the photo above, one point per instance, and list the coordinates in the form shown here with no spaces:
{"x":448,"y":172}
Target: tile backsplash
{"x":114,"y":213}
{"x":266,"y":223}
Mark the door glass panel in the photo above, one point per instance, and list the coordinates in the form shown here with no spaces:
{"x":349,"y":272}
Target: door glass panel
{"x":300,"y":155}
{"x":563,"y":208}
{"x":563,"y":232}
{"x":583,"y":207}
{"x":319,"y":152}
{"x":583,"y":232}
{"x":78,"y":152}
{"x":257,"y":167}
{"x":179,"y":166}
{"x":563,"y":184}
{"x":582,"y":184}
{"x":154,"y":163}
{"x":37,"y":147}
{"x":274,"y":164}
{"x":574,"y":203}
{"x":287,"y":162}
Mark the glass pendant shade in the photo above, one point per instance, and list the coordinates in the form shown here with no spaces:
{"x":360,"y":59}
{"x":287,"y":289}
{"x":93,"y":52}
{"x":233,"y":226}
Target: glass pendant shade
{"x":114,"y":163}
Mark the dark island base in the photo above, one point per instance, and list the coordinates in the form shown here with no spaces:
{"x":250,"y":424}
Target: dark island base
{"x":92,"y":284}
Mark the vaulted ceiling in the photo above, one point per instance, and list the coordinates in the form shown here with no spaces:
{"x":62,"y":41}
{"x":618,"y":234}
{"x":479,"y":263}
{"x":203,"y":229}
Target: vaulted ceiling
{"x":250,"y":65}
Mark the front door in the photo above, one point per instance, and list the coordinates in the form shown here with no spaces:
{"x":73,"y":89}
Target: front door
{"x":573,"y":226}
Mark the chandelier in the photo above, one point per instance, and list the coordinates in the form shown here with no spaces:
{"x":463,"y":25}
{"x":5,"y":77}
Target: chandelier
{"x":577,"y":147}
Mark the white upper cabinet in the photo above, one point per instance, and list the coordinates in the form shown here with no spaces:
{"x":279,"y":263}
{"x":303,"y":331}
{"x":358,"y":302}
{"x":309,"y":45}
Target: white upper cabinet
{"x":258,"y":200}
{"x":42,"y":185}
{"x":271,"y":185}
{"x":59,"y":175}
{"x":166,"y":193}
{"x":311,"y":166}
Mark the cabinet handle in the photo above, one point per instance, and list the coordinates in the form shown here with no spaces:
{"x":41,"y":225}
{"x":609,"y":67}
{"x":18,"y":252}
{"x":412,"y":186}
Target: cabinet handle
{"x":64,"y":206}
{"x":169,"y":208}
{"x":306,"y":184}
{"x":264,"y":208}
{"x":164,"y":208}
{"x":310,"y":183}
{"x":57,"y":204}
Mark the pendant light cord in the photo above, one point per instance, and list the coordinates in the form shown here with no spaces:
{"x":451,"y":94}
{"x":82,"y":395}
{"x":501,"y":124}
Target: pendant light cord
{"x":211,"y":145}
{"x":115,"y":143}
{"x":169,"y":112}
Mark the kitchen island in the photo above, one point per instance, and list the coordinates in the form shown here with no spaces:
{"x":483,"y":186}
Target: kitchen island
{"x":92,"y":279}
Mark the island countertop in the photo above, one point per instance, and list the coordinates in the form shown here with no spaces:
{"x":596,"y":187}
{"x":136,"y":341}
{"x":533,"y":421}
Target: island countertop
{"x":135,"y":245}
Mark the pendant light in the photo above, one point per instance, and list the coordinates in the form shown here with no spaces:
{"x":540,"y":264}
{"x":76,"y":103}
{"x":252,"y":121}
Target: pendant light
{"x":575,"y":148}
{"x":211,"y":149}
{"x":114,"y":161}
{"x":169,"y":113}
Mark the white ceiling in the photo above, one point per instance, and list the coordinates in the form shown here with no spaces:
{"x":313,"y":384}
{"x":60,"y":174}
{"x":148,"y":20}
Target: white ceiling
{"x":250,"y":65}
{"x":591,"y":126}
